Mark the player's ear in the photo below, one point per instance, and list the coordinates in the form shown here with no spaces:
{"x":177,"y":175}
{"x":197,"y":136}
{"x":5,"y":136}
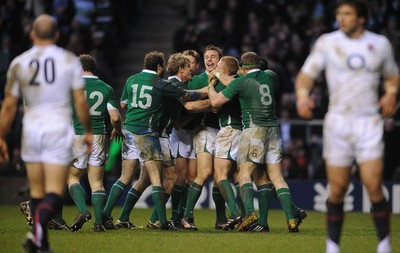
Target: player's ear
{"x":57,"y":36}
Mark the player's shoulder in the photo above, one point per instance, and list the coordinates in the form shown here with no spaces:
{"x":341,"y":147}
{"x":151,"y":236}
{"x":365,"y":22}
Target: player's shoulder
{"x":376,"y":38}
{"x":270,"y":74}
{"x":199,"y":77}
{"x":331,"y":36}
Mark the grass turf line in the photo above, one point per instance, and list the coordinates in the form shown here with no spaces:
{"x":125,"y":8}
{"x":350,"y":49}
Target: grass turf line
{"x":358,"y":235}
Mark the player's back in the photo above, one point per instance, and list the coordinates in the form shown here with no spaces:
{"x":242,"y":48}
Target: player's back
{"x":45,"y":77}
{"x":100,"y":97}
{"x":143,"y":101}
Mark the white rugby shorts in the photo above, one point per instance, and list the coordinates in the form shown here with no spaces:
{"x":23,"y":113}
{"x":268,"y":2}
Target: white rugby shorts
{"x":145,"y":147}
{"x":260,"y":145}
{"x":47,"y":143}
{"x":348,"y":137}
{"x":182,"y":145}
{"x":204,"y":140}
{"x":96,"y":158}
{"x":227,"y":143}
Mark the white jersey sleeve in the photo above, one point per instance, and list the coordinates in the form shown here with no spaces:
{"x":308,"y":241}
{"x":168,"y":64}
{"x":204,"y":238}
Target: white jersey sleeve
{"x":315,"y":62}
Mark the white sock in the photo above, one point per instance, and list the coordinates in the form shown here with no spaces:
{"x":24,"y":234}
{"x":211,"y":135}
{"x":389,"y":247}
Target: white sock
{"x":384,"y":246}
{"x":332,"y":247}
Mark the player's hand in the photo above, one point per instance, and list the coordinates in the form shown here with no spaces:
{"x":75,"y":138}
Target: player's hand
{"x":88,"y":140}
{"x":212,"y":79}
{"x":387,"y":103}
{"x":117,"y":135}
{"x":3,"y":152}
{"x":305,"y":106}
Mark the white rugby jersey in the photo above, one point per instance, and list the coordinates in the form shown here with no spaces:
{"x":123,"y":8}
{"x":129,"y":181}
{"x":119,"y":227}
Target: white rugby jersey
{"x":353,"y":69}
{"x":45,"y":77}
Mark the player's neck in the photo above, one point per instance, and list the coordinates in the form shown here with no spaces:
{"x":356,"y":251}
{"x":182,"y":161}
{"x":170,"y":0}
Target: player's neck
{"x":87,"y":73}
{"x":356,"y":34}
{"x":42,"y":43}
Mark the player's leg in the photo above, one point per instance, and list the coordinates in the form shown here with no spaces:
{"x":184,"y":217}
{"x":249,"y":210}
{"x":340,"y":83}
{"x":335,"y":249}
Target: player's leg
{"x":127,"y":174}
{"x":235,"y":178}
{"x":169,"y":183}
{"x":76,"y":171}
{"x":274,"y":171}
{"x":131,"y":199}
{"x":55,"y":177}
{"x":154,"y":170}
{"x":78,"y":195}
{"x":169,"y":178}
{"x":222,"y":169}
{"x":130,"y":158}
{"x":181,"y":166}
{"x":204,"y":165}
{"x":99,"y":198}
{"x":247,"y":193}
{"x":371,"y":176}
{"x":369,"y":150}
{"x":35,"y":176}
{"x":190,"y":177}
{"x":300,"y":214}
{"x":338,"y":179}
{"x":264,"y":200}
{"x":339,"y":156}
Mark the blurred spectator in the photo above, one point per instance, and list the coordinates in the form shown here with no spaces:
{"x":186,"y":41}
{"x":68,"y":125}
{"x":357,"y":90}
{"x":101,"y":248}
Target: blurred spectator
{"x":186,"y":37}
{"x":87,"y":26}
{"x":392,"y":158}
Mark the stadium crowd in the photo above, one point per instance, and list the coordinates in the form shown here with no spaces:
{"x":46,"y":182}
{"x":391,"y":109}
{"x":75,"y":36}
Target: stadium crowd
{"x":86,"y":26}
{"x":225,"y":117}
{"x":283,"y":32}
{"x":280,"y":31}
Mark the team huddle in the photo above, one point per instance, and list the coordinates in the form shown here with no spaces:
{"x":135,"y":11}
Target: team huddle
{"x":210,"y":129}
{"x":180,"y":132}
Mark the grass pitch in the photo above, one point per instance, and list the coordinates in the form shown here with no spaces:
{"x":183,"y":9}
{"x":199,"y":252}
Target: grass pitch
{"x":358,"y":235}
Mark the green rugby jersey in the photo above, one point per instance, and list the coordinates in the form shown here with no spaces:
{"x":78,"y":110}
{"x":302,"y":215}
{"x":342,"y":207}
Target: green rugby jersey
{"x":171,"y":110}
{"x":230,"y":113}
{"x":144,"y":103}
{"x":256,"y":95}
{"x":99,"y":95}
{"x":209,"y":119}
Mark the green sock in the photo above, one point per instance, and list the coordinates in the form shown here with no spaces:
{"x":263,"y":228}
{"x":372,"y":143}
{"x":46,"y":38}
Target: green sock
{"x":294,"y":207}
{"x":239,"y":200}
{"x":159,"y":203}
{"x":154,"y":214}
{"x":264,"y":202}
{"x":229,"y":196}
{"x":130,"y":201}
{"x":219,"y":204}
{"x":193,"y":195}
{"x":183,"y":200}
{"x":247,"y":193}
{"x":116,"y":191}
{"x":175,"y":199}
{"x":98,"y":203}
{"x":285,"y":199}
{"x":78,"y":196}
